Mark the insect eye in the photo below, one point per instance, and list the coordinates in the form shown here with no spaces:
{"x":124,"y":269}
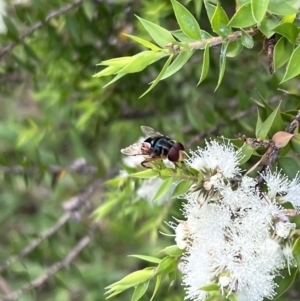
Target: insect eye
{"x":174,"y":153}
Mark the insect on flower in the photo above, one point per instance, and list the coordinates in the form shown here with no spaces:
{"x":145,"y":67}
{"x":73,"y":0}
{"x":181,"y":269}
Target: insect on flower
{"x":156,"y":146}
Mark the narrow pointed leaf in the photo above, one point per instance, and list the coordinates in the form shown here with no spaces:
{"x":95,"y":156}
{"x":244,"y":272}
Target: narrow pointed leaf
{"x":295,"y":143}
{"x":296,"y":251}
{"x":140,"y":61}
{"x":162,"y":72}
{"x":157,"y":284}
{"x":243,"y":17}
{"x":178,"y":63}
{"x":259,"y":9}
{"x":219,"y":22}
{"x":210,"y":10}
{"x":247,"y":152}
{"x":12,"y":31}
{"x":107,"y":71}
{"x":163,"y":189}
{"x":143,"y":42}
{"x":222,"y":63}
{"x":159,"y":34}
{"x":284,"y":283}
{"x":210,"y":287}
{"x":117,"y":77}
{"x":293,"y":67}
{"x":267,"y":125}
{"x":140,"y":291}
{"x":172,"y":251}
{"x":187,"y":23}
{"x":205,"y":64}
{"x":282,"y":52}
{"x":133,"y":279}
{"x":181,"y":188}
{"x":118,"y":61}
{"x":147,"y":258}
{"x":145,"y":174}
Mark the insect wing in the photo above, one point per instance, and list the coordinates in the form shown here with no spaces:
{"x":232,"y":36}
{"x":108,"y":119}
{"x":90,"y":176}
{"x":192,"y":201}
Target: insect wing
{"x":150,"y":132}
{"x":137,"y":149}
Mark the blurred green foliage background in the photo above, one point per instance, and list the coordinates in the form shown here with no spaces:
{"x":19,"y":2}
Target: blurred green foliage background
{"x":53,"y":112}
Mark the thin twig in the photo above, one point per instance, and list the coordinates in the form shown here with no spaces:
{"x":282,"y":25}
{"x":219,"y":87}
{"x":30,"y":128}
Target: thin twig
{"x":50,"y":271}
{"x":37,"y":25}
{"x":77,"y":166}
{"x":71,"y":206}
{"x":63,"y":219}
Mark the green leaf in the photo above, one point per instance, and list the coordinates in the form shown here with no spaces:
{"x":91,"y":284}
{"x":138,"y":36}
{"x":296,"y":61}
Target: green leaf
{"x":210,"y":287}
{"x":166,"y":266}
{"x":281,"y":8}
{"x":222,"y":63}
{"x":247,"y":152}
{"x":29,"y":50}
{"x":178,"y":63}
{"x":88,"y":9}
{"x":143,"y":42}
{"x":181,"y":188}
{"x":157,"y":284}
{"x":219,"y":22}
{"x":145,"y":174}
{"x":295,"y":143}
{"x":205,"y":64}
{"x":247,"y":40}
{"x":282,"y":52}
{"x":259,"y":9}
{"x":289,"y":166}
{"x":105,"y":208}
{"x":140,"y":291}
{"x":163,"y":189}
{"x":265,"y":127}
{"x":159,"y":34}
{"x":288,"y":30}
{"x":117,"y":77}
{"x":187,"y":23}
{"x":131,"y":280}
{"x":243,"y":17}
{"x":12,"y":31}
{"x":140,"y":61}
{"x":296,"y":251}
{"x":162,"y":72}
{"x":172,"y":251}
{"x":147,"y":258}
{"x":267,"y":24}
{"x":234,"y":48}
{"x":117,"y":62}
{"x":284,"y":283}
{"x":210,"y":10}
{"x":293,"y":67}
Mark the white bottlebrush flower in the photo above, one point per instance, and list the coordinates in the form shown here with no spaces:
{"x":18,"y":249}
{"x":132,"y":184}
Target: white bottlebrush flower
{"x":293,"y":193}
{"x":283,"y":229}
{"x":276,"y":182}
{"x":216,"y":157}
{"x":181,"y":235}
{"x":232,"y":242}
